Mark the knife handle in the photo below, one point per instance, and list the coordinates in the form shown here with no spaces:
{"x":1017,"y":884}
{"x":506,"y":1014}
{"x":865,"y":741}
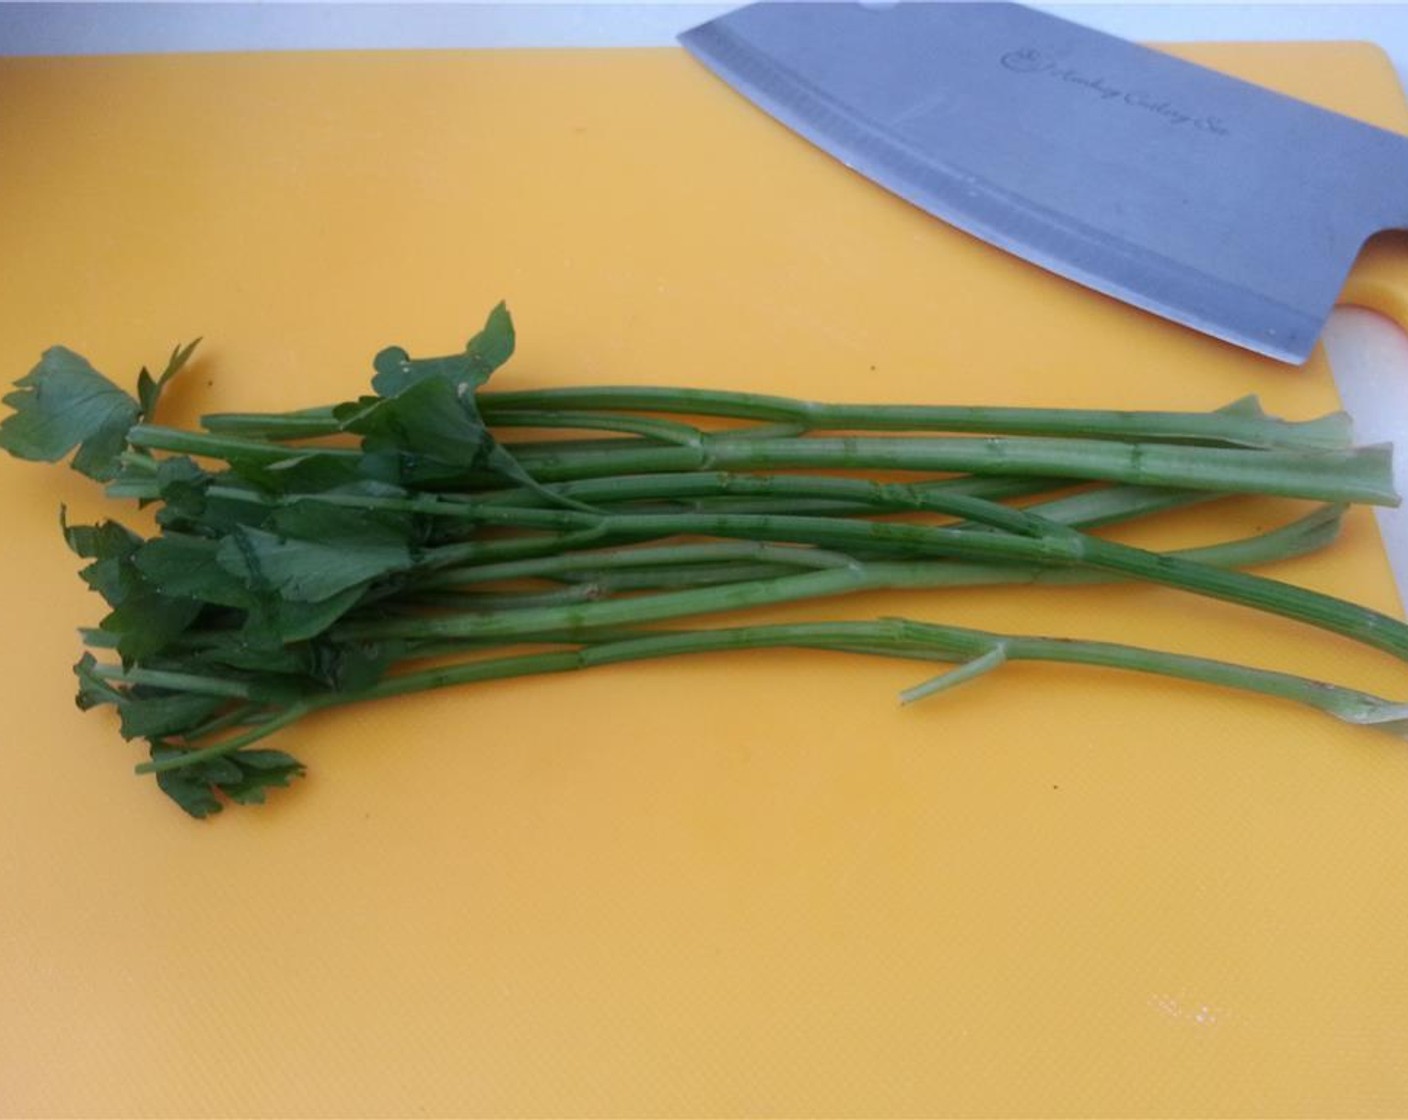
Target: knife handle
{"x":1379,"y":278}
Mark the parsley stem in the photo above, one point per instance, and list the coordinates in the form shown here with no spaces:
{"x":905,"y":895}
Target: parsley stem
{"x":1242,"y":422}
{"x":175,"y":682}
{"x":1306,"y":534}
{"x":910,"y":640}
{"x":976,"y":651}
{"x":1360,"y":474}
{"x":289,"y":715}
{"x":181,"y":441}
{"x":1040,"y":546}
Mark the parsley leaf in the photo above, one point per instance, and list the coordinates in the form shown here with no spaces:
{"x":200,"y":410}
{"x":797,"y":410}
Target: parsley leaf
{"x":147,"y":715}
{"x":110,"y":545}
{"x":144,"y":618}
{"x":304,"y":473}
{"x":312,"y":551}
{"x":93,"y":690}
{"x":242,"y":776}
{"x":424,"y":411}
{"x":397,"y":371}
{"x":185,"y":565}
{"x":428,"y":419}
{"x":274,"y":621}
{"x":62,"y":404}
{"x":149,"y":389}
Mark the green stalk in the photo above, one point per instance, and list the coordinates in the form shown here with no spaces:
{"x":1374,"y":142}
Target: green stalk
{"x":1104,"y":505}
{"x":581,"y":619}
{"x":649,"y":556}
{"x":1096,"y":508}
{"x":1242,"y":423}
{"x":175,"y":682}
{"x":239,"y":716}
{"x":155,"y":437}
{"x":278,"y":722}
{"x":696,"y":487}
{"x":1046,"y":544}
{"x":1040,"y":549}
{"x":952,"y":643}
{"x":984,"y":663}
{"x":1361,"y":474}
{"x":670,"y":489}
{"x":413,"y":601}
{"x":1306,"y":534}
{"x":1309,"y":533}
{"x":1110,"y":505}
{"x":671,"y":577}
{"x":653,"y":428}
{"x":892,"y":637}
{"x":302,"y":423}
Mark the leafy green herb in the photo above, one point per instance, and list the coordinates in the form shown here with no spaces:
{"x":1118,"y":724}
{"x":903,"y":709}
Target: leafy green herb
{"x":311,"y":552}
{"x":149,"y":389}
{"x":397,"y":541}
{"x":242,"y":776}
{"x":396,"y":371}
{"x":65,"y":404}
{"x":150,"y":715}
{"x":93,"y":690}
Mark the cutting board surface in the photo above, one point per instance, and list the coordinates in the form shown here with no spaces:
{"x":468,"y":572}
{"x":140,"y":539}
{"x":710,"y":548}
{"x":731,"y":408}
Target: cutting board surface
{"x":746,"y":884}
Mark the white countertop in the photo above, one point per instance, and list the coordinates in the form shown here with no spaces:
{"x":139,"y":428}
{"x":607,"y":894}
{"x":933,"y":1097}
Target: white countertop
{"x":126,"y":27}
{"x":1369,"y":354}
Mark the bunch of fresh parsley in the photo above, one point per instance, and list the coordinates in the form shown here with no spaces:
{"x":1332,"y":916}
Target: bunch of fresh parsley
{"x":401,"y":541}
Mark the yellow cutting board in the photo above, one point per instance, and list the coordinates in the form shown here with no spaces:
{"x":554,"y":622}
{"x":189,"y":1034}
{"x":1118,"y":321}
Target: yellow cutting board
{"x":738,"y":885}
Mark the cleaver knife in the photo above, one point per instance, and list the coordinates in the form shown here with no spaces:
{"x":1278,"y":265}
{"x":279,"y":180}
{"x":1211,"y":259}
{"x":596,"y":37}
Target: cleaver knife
{"x":1210,"y":201}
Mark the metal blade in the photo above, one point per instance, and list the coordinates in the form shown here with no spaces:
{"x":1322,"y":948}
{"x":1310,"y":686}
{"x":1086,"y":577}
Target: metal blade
{"x":1207,"y":200}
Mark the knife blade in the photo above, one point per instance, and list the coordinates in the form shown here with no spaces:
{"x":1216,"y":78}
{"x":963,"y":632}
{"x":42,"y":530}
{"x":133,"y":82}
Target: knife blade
{"x":1208,"y":200}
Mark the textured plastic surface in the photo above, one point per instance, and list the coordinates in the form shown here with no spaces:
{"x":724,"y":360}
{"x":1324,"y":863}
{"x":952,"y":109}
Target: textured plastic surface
{"x":737,"y":885}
